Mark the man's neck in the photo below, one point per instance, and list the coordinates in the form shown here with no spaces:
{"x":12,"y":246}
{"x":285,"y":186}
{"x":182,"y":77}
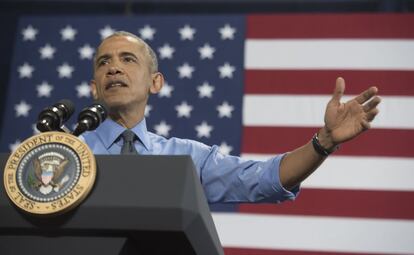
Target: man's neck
{"x":127,"y":118}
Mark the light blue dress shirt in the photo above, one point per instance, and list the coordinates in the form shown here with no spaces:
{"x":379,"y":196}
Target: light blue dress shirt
{"x":224,"y":178}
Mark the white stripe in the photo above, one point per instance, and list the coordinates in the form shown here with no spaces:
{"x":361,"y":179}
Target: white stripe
{"x":315,"y":233}
{"x":329,"y":54}
{"x":308,"y":111}
{"x":359,"y":173}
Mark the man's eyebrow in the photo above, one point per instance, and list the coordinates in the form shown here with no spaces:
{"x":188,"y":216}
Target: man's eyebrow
{"x":122,"y":54}
{"x":126,"y":53}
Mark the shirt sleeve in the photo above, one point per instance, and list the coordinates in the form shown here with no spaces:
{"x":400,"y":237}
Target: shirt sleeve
{"x":234,"y":179}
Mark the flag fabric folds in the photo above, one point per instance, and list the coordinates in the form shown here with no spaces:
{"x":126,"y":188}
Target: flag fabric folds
{"x":256,"y":85}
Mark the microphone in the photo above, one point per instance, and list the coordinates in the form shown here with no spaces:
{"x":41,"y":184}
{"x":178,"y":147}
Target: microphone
{"x":53,"y":117}
{"x":90,"y":118}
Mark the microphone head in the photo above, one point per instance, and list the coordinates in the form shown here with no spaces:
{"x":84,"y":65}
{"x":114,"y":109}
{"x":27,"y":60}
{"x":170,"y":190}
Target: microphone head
{"x":52,"y":118}
{"x":67,"y":108}
{"x":94,"y":115}
{"x":101,"y":108}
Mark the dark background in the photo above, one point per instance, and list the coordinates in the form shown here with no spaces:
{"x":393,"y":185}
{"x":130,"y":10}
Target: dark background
{"x":11,"y":10}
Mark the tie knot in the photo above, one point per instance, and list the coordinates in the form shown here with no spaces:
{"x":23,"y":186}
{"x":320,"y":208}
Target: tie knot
{"x":128,"y":146}
{"x":128,"y":136}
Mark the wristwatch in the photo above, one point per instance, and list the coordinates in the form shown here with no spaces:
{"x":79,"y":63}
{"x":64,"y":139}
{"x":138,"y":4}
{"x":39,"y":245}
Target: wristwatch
{"x":319,"y":148}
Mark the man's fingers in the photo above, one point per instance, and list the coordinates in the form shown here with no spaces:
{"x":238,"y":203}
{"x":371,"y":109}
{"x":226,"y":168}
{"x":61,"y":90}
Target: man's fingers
{"x":339,"y":90}
{"x":372,"y":104}
{"x":371,"y":114}
{"x":365,"y":125}
{"x":366,"y":95}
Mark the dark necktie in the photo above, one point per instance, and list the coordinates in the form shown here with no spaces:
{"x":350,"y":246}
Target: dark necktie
{"x":128,"y":146}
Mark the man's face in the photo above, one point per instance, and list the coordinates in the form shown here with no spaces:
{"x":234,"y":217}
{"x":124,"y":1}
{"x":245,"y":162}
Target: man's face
{"x":122,"y":77}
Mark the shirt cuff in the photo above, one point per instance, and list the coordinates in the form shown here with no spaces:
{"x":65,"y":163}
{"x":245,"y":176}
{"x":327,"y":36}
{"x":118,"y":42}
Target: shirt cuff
{"x":271,"y":185}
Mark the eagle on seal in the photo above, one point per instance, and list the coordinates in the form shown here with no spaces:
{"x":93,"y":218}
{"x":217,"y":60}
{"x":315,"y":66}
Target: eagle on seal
{"x":48,"y":169}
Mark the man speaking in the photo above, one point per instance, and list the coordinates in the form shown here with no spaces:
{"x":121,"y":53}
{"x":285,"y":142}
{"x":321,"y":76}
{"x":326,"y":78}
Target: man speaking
{"x":126,"y":73}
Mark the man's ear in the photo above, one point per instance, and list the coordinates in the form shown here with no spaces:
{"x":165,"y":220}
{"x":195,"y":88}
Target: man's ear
{"x":157,"y":82}
{"x":93,"y":89}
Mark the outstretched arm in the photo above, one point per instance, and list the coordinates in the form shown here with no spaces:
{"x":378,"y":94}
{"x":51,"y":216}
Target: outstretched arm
{"x":343,"y":122}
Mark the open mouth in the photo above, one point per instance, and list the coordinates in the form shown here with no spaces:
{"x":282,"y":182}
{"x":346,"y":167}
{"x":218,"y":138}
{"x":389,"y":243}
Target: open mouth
{"x":115,"y":84}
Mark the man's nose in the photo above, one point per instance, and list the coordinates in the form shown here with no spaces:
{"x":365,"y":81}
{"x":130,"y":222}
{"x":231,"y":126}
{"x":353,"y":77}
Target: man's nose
{"x":114,"y":70}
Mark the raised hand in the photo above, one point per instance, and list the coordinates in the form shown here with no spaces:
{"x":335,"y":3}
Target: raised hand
{"x":344,"y":121}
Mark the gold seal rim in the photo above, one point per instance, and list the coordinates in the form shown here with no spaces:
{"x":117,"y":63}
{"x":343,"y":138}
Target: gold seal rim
{"x":70,"y":200}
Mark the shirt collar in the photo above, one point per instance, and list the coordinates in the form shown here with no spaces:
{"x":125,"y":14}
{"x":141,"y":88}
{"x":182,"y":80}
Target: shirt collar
{"x":141,"y":131}
{"x":109,"y":131}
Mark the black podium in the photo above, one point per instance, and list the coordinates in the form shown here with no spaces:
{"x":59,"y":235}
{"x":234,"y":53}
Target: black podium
{"x":139,"y":205}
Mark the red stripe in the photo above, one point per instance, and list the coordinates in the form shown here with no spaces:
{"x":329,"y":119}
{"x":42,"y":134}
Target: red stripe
{"x":343,"y":203}
{"x":245,"y":251}
{"x":331,"y":26}
{"x":323,"y":81}
{"x":374,"y":142}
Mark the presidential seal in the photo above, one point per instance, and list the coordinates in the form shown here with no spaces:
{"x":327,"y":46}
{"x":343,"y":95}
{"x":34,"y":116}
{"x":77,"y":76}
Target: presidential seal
{"x":50,"y":173}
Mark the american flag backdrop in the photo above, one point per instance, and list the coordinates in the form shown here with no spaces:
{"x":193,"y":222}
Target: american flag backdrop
{"x":256,"y":85}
